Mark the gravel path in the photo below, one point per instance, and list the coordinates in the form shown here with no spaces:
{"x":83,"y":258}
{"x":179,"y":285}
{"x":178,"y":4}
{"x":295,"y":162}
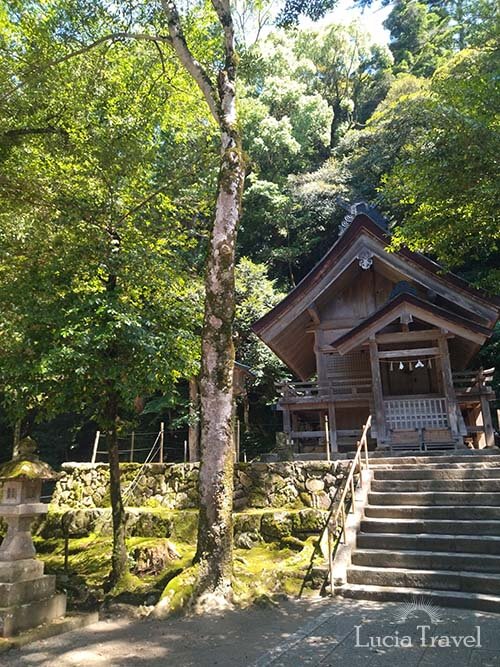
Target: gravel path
{"x":293,"y":634}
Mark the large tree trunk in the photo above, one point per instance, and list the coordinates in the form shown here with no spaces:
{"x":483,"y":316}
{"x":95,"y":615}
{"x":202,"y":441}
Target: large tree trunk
{"x":215,"y":532}
{"x":119,"y":557}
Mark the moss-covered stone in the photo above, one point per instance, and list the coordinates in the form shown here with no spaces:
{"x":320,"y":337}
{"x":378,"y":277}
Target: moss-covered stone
{"x":276,"y":525}
{"x":178,"y":593}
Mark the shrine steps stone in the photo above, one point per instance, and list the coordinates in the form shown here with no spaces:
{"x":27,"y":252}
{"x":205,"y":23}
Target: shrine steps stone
{"x":473,"y":544}
{"x":430,"y":528}
{"x":437,"y":458}
{"x":451,"y":512}
{"x":440,"y":485}
{"x":436,"y":579}
{"x":15,"y":619}
{"x":464,"y":600}
{"x":427,"y":560}
{"x":427,"y":498}
{"x":409,"y":527}
{"x":437,"y":473}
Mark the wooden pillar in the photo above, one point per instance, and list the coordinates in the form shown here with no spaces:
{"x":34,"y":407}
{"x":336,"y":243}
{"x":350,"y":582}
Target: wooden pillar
{"x":489,"y":432}
{"x":162,"y":441}
{"x":132,"y":447}
{"x":332,"y":423}
{"x":194,"y":423}
{"x":378,"y":396}
{"x":449,"y":390}
{"x":287,"y":425}
{"x":96,"y":446}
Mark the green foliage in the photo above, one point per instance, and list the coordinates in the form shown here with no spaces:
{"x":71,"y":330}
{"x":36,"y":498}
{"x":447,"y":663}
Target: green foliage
{"x":96,"y":292}
{"x":256,"y":294}
{"x":446,"y":178}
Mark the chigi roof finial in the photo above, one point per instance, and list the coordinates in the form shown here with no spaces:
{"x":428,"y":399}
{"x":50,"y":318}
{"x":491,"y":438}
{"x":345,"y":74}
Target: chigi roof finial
{"x":358,"y":208}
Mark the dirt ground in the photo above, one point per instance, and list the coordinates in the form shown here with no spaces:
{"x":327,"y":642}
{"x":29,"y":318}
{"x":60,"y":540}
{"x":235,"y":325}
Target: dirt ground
{"x":325,"y":633}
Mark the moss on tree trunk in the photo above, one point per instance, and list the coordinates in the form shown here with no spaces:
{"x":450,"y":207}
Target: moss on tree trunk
{"x":119,"y":558}
{"x":215,"y":534}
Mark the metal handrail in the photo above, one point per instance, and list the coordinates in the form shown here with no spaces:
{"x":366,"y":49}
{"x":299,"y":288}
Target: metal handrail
{"x":338,"y":518}
{"x":330,"y":526}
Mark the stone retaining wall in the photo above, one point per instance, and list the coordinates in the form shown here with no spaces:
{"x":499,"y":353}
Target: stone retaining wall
{"x":293,"y":485}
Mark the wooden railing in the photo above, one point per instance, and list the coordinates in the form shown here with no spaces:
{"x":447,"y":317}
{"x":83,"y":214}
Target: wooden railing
{"x":335,"y":526}
{"x":470,"y":382}
{"x":324,"y":390}
{"x":416,"y":412}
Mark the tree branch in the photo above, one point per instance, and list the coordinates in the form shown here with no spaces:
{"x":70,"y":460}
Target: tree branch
{"x":114,"y":36}
{"x":223,"y":10}
{"x":194,"y":68}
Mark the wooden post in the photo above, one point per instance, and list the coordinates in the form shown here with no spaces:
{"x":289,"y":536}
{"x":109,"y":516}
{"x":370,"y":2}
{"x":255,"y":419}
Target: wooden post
{"x":378,"y":397}
{"x":162,"y":440}
{"x":449,"y":390}
{"x":237,"y":441}
{"x":185,"y":451}
{"x":332,"y":422}
{"x":327,"y":438}
{"x":287,"y":428}
{"x":489,"y":433}
{"x":96,"y":446}
{"x":132,"y":446}
{"x":194,"y":423}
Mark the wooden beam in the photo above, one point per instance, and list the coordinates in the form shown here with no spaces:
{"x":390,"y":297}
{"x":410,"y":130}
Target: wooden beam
{"x":314,"y":315}
{"x":417,"y":352}
{"x":360,"y":337}
{"x":448,"y":388}
{"x":402,"y":336}
{"x":378,"y":397}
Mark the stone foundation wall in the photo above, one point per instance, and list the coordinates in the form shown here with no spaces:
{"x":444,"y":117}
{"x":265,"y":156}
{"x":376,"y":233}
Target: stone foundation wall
{"x":293,"y":485}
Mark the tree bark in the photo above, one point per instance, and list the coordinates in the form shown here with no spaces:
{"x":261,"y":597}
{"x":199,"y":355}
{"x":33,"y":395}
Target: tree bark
{"x":119,"y":556}
{"x":215,"y":533}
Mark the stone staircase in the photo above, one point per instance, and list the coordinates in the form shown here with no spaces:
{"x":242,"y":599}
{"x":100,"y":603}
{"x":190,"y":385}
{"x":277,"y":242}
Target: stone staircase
{"x":430,"y":529}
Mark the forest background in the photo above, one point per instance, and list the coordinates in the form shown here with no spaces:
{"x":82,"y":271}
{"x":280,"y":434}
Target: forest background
{"x":109,"y":161}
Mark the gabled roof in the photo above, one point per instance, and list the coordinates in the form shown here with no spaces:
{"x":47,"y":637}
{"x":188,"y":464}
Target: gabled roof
{"x":285,"y":328}
{"x":362,"y":222}
{"x":404,"y":304}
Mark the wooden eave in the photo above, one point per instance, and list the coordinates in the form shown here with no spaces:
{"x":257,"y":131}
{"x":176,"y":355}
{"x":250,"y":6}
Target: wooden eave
{"x":286,"y":329}
{"x":405,"y":304}
{"x":488,"y":308}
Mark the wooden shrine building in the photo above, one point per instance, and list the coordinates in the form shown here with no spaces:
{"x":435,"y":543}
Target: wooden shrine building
{"x":389,"y":334}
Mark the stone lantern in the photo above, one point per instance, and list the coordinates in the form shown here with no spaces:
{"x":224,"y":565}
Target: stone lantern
{"x":27,"y":596}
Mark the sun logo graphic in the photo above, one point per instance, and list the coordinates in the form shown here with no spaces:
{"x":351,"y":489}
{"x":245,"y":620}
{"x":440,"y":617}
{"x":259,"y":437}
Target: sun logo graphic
{"x":406,"y":610}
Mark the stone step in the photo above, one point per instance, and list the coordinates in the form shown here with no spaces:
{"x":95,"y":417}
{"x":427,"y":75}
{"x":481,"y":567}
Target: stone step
{"x":15,"y":619}
{"x":435,"y":498}
{"x":463,"y":600}
{"x":21,"y":592}
{"x":459,"y":456}
{"x":430,"y":526}
{"x":441,"y":485}
{"x":436,"y":473}
{"x":455,"y":512}
{"x":430,"y":542}
{"x":427,"y":560}
{"x":437,"y":579}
